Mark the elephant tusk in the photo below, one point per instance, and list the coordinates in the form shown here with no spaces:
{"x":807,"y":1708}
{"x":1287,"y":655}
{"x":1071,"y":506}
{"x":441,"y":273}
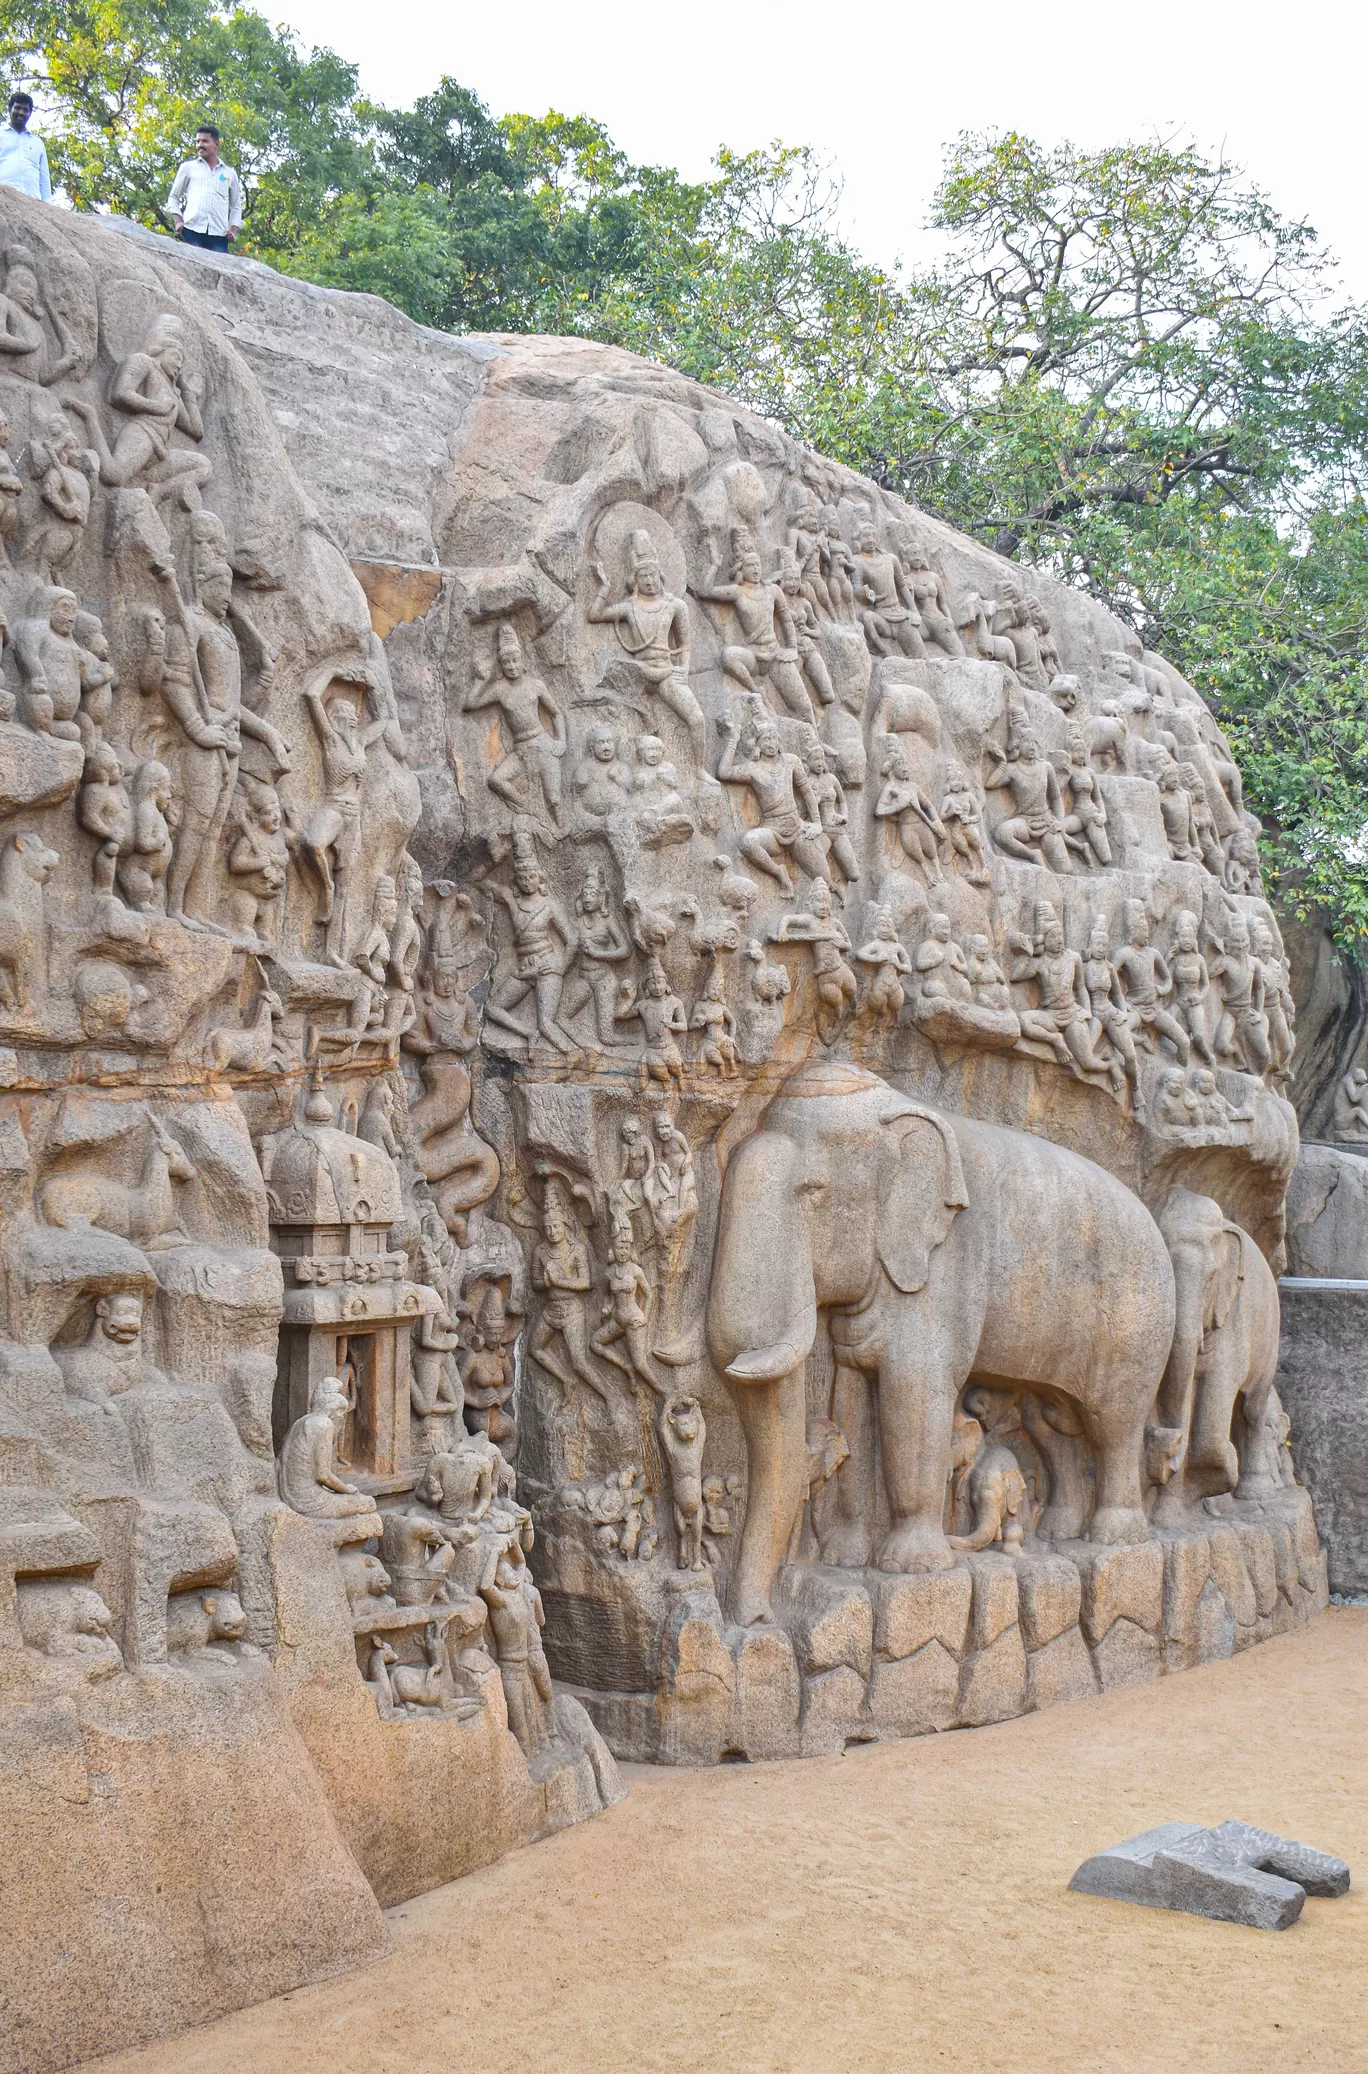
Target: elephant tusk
{"x":770,"y":1364}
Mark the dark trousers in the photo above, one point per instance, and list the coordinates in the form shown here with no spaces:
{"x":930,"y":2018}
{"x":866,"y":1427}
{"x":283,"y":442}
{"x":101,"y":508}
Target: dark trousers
{"x":210,"y":241}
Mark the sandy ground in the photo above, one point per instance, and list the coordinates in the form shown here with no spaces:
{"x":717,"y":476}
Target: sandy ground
{"x":902,"y":1908}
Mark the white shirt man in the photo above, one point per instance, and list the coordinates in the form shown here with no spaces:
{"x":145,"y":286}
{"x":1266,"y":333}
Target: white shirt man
{"x":23,"y":158}
{"x":206,"y":196}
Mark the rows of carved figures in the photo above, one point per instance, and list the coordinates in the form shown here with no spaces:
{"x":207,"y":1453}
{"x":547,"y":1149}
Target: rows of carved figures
{"x":841,"y":812}
{"x":421,"y":1206}
{"x":225,"y":1308}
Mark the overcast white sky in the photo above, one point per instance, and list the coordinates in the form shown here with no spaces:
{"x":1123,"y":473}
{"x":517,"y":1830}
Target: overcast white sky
{"x":879,"y":87}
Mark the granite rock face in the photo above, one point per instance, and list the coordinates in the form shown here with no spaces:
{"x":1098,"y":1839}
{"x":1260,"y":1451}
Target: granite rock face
{"x":641,"y":1108}
{"x":253,"y":1685}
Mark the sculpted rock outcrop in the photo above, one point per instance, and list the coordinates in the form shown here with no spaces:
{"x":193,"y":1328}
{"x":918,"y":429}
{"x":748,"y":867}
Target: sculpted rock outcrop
{"x":669,"y":1107}
{"x":211,"y":931}
{"x":934,"y":830}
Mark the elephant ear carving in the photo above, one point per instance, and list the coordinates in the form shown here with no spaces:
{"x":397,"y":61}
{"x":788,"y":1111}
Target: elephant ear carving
{"x":926,"y":1191}
{"x":1230,"y":1273}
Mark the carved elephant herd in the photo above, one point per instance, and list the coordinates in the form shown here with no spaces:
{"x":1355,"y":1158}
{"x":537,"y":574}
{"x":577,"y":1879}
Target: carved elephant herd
{"x":941,"y":1251}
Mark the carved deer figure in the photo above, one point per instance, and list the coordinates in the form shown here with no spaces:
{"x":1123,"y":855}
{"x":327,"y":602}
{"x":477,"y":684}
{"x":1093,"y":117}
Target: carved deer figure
{"x":142,"y":1211}
{"x":250,"y":1049}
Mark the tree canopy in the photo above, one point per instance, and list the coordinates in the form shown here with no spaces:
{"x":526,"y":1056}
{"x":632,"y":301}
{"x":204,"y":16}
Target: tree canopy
{"x":1125,"y":366}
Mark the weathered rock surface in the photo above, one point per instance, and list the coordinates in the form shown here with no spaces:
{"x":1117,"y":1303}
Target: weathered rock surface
{"x":1234,"y":1873}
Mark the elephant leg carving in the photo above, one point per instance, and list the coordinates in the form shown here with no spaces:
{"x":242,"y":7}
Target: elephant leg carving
{"x":916,"y":1419}
{"x":1118,"y":1516}
{"x":773,"y":1420}
{"x":849,"y":1538}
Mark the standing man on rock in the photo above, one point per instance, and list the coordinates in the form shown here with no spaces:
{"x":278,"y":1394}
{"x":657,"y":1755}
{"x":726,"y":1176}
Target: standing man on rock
{"x":23,"y":157}
{"x":206,"y":196}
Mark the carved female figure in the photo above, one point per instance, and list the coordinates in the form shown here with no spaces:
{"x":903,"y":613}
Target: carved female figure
{"x":1110,"y":1017}
{"x":920,"y":829}
{"x":963,"y":826}
{"x":603,"y":946}
{"x":1085,"y":825}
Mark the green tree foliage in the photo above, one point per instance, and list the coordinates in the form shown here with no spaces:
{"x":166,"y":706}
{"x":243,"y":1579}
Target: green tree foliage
{"x":1126,"y":366}
{"x":121,"y":85}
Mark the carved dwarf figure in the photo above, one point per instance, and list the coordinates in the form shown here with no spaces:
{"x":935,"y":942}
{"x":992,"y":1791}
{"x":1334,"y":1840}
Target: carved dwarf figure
{"x":258,"y":864}
{"x":661,"y":816}
{"x":889,"y":964}
{"x":106,"y":812}
{"x":54,"y":670}
{"x":601,"y":782}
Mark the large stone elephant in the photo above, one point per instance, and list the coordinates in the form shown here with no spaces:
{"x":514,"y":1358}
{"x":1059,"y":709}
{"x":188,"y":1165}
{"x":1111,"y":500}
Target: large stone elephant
{"x":939,"y":1249}
{"x":1225,"y":1348}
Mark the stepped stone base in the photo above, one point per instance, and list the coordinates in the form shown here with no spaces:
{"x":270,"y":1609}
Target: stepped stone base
{"x":859,"y":1656}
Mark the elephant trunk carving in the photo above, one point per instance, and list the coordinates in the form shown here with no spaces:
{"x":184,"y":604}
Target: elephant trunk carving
{"x":762,"y":1321}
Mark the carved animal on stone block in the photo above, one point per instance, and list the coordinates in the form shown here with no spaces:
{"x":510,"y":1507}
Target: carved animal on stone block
{"x":1224,"y":1354}
{"x":229,"y":1049}
{"x":938,"y":1248}
{"x":141,"y":1211}
{"x":26,"y":865}
{"x":419,"y":1685}
{"x":211,"y":1623}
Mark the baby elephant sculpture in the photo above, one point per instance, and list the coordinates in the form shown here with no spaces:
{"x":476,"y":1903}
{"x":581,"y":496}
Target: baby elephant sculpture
{"x":1225,"y":1351}
{"x":989,"y":1487}
{"x":939,"y":1249}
